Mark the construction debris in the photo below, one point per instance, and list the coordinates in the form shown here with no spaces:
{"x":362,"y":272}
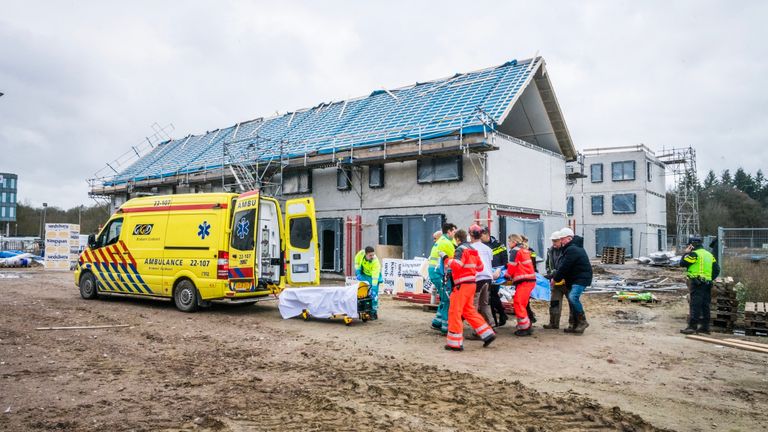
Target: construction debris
{"x":645,"y":297}
{"x":659,"y":284}
{"x":662,"y":259}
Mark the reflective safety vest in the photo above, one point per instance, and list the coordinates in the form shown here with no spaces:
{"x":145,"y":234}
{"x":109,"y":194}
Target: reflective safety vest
{"x":700,"y":265}
{"x":370,"y":268}
{"x":465,"y":264}
{"x":442,"y":244}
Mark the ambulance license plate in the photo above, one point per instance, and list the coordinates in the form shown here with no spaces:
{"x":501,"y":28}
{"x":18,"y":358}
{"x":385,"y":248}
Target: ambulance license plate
{"x":243,"y":286}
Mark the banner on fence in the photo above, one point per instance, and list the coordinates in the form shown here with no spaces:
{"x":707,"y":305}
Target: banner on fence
{"x":405,"y":275}
{"x":62,"y":246}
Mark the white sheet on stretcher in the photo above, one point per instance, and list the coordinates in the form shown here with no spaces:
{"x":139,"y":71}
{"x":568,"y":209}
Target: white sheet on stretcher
{"x":321,"y":302}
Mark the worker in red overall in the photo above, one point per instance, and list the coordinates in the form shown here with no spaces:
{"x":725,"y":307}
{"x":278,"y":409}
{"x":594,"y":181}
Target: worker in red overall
{"x":522,"y":274}
{"x":464,"y":266}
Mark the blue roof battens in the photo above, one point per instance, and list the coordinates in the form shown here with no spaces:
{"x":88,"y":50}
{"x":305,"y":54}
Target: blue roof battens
{"x":462,"y":103}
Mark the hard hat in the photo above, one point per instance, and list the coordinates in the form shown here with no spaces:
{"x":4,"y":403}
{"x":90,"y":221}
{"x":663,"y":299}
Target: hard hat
{"x":566,"y":232}
{"x":557,"y":235}
{"x":694,"y":240}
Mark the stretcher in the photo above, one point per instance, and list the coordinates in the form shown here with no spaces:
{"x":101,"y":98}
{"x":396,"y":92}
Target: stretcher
{"x":346,"y":303}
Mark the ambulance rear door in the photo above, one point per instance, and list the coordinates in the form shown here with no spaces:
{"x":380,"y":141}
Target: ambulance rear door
{"x":243,"y":272}
{"x":302,"y":260}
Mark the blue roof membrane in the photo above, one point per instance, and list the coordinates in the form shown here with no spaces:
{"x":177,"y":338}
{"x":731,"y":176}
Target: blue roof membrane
{"x":423,"y":110}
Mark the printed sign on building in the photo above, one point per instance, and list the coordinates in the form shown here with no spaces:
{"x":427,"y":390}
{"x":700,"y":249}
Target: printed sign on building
{"x":62,"y":246}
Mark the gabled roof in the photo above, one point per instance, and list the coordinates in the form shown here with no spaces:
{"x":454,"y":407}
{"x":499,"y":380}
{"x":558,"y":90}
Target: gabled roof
{"x":466,"y":103}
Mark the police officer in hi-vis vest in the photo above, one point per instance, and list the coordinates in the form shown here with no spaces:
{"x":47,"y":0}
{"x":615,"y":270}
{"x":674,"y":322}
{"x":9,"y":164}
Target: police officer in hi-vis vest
{"x":702,"y":269}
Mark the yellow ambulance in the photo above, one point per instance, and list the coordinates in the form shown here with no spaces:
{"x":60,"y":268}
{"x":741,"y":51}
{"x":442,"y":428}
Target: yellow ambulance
{"x":195,"y":248}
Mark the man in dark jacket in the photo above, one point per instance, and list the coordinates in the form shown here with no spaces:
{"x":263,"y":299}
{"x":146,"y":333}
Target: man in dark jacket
{"x":575,"y":269}
{"x":500,"y":259}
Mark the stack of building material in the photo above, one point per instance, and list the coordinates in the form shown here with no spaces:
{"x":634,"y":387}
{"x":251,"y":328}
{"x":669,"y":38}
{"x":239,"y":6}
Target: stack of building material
{"x":724,"y":307}
{"x":756,"y":319}
{"x":612,"y":255}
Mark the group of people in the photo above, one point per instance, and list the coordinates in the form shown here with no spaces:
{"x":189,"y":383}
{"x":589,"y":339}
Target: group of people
{"x":468,"y":269}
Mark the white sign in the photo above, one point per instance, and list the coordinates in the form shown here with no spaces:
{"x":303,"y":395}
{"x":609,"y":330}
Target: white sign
{"x":405,"y":272}
{"x":62,"y":246}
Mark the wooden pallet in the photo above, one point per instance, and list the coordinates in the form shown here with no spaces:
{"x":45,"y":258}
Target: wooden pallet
{"x":721,"y":315}
{"x":613,"y":255}
{"x":724,"y":308}
{"x":756,"y":332}
{"x":725,"y":301}
{"x":756,"y":311}
{"x":721,"y":323}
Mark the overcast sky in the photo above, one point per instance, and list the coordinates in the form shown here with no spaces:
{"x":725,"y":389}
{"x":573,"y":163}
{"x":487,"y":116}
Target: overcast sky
{"x":84,"y":81}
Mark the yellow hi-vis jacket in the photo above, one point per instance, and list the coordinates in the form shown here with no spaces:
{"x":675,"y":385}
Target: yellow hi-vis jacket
{"x":700,"y":264}
{"x":369,"y":268}
{"x":443,"y":244}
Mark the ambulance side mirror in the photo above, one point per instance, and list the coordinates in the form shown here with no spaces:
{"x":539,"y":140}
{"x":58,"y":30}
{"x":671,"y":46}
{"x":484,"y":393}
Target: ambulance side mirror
{"x":92,"y":241}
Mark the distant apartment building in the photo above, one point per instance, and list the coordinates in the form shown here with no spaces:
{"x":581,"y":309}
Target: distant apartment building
{"x":619,"y":200}
{"x":8,"y":189}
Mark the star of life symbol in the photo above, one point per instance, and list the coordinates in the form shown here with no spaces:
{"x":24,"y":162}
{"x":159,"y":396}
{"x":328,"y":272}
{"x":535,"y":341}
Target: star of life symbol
{"x":242,"y":228}
{"x":204,"y":230}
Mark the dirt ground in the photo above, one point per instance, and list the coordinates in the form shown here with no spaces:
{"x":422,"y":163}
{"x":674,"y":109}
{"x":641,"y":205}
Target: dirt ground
{"x":239,"y":368}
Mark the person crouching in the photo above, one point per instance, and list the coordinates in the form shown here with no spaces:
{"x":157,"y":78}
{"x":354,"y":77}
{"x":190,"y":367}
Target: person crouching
{"x":520,"y":271}
{"x":464,"y":266}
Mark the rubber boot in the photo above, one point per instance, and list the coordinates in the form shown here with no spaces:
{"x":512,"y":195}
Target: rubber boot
{"x":554,"y":322}
{"x":581,"y":324}
{"x":572,"y":321}
{"x":526,"y":332}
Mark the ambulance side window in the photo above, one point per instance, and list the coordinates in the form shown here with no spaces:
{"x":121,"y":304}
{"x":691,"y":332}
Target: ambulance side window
{"x":111,"y":234}
{"x":243,"y":230}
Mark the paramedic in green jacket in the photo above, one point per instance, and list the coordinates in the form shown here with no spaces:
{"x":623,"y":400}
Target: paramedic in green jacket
{"x":437,"y":274}
{"x":368,"y":269}
{"x":702,"y":269}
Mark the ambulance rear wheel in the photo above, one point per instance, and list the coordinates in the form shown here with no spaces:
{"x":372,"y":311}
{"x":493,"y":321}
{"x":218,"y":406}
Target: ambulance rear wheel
{"x":185,"y":296}
{"x":88,"y":286}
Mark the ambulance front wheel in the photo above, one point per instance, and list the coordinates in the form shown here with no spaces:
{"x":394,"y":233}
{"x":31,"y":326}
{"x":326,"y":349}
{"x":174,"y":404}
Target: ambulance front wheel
{"x":185,"y":296}
{"x":88,"y":286}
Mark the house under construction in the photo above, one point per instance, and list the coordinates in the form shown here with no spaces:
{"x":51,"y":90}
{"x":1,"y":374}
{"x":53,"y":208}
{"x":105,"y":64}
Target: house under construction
{"x":387,"y":168}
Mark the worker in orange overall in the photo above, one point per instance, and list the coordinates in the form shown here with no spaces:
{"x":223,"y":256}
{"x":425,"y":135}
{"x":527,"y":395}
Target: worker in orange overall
{"x":522,"y":274}
{"x":464,"y":266}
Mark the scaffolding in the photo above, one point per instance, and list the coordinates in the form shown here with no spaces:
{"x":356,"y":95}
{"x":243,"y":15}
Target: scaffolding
{"x":681,"y":164}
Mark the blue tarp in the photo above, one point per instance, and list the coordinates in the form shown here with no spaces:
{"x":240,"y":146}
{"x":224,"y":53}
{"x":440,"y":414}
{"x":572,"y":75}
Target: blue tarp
{"x":541,"y":291}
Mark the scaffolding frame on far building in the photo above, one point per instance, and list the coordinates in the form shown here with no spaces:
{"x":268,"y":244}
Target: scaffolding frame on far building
{"x":681,"y":164}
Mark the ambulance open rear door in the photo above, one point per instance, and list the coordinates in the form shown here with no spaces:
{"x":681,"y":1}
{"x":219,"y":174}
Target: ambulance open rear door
{"x":243,"y":271}
{"x":302,"y":260}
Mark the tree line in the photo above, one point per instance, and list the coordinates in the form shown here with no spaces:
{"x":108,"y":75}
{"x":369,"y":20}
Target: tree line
{"x":731,"y":200}
{"x":29,"y":218}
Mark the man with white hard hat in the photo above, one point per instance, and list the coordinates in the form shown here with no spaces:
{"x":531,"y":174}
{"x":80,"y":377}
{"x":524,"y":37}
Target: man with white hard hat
{"x":574,"y":267}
